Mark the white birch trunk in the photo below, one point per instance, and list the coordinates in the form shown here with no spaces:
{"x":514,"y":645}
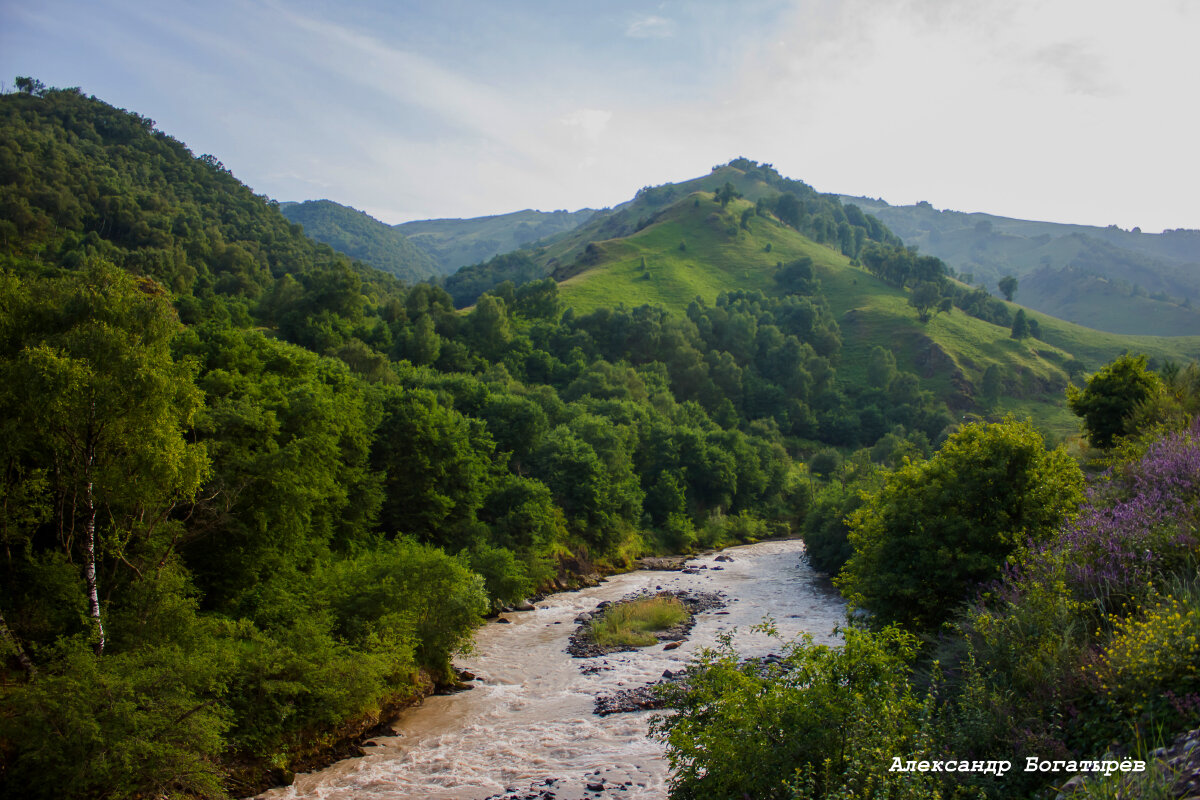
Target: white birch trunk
{"x":89,"y":570}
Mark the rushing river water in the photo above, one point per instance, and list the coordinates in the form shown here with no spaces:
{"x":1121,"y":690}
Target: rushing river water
{"x":530,"y":717}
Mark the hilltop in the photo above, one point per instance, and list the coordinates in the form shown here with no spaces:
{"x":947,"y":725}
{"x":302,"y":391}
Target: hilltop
{"x":693,"y":247}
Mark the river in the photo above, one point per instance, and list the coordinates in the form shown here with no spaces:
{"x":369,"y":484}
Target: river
{"x":529,"y":716}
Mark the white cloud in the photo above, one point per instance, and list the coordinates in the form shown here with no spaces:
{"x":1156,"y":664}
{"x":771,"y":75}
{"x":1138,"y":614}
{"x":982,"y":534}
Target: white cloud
{"x":651,"y":27}
{"x":1054,"y":109}
{"x":590,"y":122}
{"x":1073,"y":110}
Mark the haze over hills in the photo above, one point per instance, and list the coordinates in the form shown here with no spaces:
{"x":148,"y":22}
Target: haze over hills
{"x":455,"y":243}
{"x":1109,"y":279}
{"x":675,"y":243}
{"x":1123,"y":281}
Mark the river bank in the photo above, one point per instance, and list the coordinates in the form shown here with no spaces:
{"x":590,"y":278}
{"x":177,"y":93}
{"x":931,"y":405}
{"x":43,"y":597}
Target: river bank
{"x":532,"y":714}
{"x":249,"y":774}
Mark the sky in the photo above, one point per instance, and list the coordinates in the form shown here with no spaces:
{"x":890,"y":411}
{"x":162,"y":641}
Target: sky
{"x":1078,"y":111}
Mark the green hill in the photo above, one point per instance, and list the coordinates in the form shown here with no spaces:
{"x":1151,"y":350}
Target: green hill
{"x":695,"y":248}
{"x":1106,"y":278}
{"x":820,"y":217}
{"x":363,"y":237}
{"x":454,"y":243}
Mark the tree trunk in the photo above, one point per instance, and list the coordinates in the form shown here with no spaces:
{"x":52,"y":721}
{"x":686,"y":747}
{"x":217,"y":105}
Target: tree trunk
{"x":89,"y":570}
{"x":22,"y":658}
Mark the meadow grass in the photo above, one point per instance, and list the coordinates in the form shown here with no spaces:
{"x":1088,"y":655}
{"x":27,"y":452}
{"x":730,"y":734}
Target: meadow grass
{"x":630,"y":623}
{"x":951,"y":352}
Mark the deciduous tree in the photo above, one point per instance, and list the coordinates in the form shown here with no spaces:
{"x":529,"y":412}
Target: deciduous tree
{"x":940,"y":527}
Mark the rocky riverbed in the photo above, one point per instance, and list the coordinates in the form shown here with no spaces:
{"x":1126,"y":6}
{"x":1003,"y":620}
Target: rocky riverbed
{"x":651,"y":696}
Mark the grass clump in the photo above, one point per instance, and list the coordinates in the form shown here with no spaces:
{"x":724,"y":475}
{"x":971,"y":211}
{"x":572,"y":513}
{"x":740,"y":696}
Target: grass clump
{"x":631,"y":623}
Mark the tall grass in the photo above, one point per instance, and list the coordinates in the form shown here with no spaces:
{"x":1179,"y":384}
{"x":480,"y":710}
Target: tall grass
{"x":630,"y":623}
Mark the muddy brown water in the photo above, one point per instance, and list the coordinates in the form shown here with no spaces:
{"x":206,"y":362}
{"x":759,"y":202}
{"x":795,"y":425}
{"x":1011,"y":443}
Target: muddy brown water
{"x":529,"y":716}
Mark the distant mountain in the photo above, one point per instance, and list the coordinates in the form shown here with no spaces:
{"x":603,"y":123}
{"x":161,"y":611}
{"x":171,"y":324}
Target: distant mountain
{"x":1106,"y":278}
{"x":363,"y":237}
{"x":455,"y":243}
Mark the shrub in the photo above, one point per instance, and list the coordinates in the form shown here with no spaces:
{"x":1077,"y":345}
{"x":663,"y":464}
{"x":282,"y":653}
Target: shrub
{"x":939,"y":528}
{"x":1150,"y":669}
{"x":504,"y":577}
{"x":721,"y":530}
{"x":826,"y":724}
{"x":825,"y":532}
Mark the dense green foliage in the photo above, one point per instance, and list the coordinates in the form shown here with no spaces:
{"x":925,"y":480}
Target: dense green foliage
{"x":1108,"y":400}
{"x":263,"y":489}
{"x":361,"y":237}
{"x":252,"y":491}
{"x":939,"y":527}
{"x":816,"y":725}
{"x":1077,"y":639}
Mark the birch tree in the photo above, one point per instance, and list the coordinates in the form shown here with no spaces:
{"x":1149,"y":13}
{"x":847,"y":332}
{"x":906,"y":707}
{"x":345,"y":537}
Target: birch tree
{"x":92,"y":396}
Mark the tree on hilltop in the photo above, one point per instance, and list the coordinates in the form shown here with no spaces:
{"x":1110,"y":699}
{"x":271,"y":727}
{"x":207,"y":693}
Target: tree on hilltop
{"x":727,"y":193}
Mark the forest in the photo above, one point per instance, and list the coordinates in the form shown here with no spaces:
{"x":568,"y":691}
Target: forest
{"x":254,"y":493}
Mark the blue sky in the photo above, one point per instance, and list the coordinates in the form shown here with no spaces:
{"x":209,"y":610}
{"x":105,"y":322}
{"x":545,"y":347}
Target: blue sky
{"x":1065,"y":110}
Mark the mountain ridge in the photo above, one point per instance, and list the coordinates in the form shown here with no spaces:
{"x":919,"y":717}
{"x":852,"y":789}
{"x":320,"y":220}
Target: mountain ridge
{"x":1148,"y":282}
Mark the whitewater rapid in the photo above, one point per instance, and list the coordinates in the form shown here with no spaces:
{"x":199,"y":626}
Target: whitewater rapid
{"x":529,"y":716}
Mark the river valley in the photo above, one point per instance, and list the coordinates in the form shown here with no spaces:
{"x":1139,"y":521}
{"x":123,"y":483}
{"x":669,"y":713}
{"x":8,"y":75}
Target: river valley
{"x":530,"y":716}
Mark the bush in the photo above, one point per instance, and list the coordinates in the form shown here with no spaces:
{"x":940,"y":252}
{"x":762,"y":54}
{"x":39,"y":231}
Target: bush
{"x":504,"y":577}
{"x":825,"y":532}
{"x":721,"y":530}
{"x":939,"y":528}
{"x":1150,"y":669}
{"x":826,"y":724}
{"x":405,"y":583}
{"x":139,"y":724}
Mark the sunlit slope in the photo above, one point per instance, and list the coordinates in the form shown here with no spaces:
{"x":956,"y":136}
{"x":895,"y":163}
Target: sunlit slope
{"x":697,"y":249}
{"x":624,"y":220}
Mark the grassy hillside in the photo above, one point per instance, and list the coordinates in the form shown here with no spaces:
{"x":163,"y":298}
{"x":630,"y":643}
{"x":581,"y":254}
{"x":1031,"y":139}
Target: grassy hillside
{"x":694,"y":248}
{"x":1106,"y":278}
{"x":363,"y":237}
{"x":454,"y":243}
{"x":818,"y":217}
{"x":1096,"y":301}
